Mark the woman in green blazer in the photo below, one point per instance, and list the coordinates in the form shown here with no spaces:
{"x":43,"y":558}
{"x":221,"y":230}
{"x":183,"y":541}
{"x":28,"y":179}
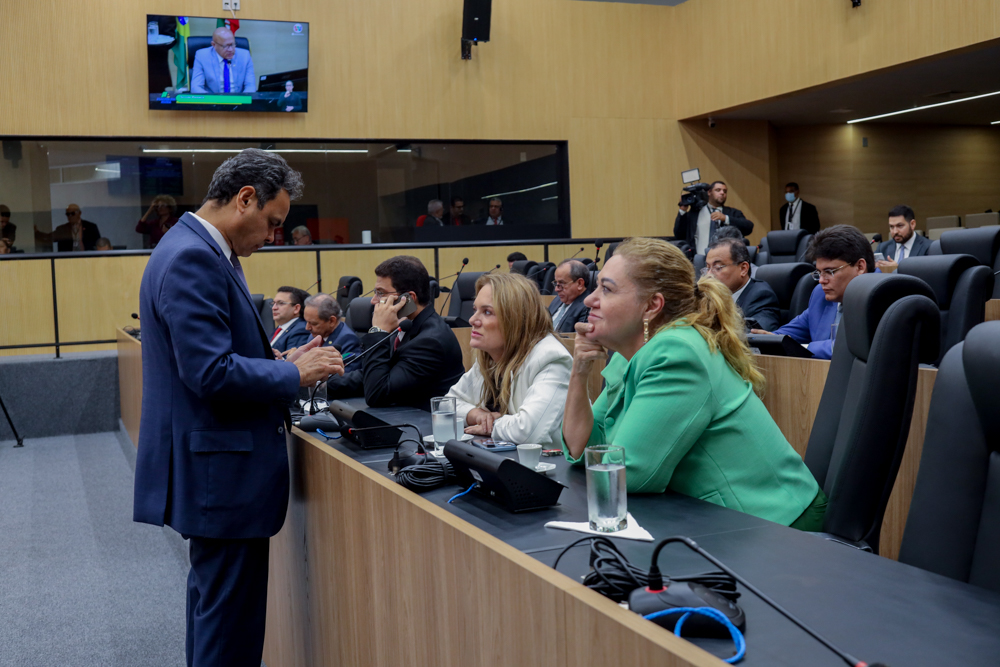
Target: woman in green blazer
{"x":680,"y":391}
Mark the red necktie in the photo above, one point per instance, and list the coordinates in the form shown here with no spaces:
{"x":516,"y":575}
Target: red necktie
{"x":395,"y":346}
{"x":275,"y":334}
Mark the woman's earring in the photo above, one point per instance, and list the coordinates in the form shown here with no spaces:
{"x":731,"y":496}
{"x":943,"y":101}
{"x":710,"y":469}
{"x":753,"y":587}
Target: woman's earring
{"x":645,"y":331}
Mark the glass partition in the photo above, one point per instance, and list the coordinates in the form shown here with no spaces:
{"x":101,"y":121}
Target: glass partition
{"x":131,"y":190}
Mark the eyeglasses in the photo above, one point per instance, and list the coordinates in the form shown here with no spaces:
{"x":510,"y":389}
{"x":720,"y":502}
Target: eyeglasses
{"x":715,"y":268}
{"x":829,"y":272}
{"x":379,"y":294}
{"x":72,"y":213}
{"x":281,"y":303}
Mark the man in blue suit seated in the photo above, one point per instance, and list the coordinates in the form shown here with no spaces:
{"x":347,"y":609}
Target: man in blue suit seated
{"x":324,"y":318}
{"x":571,"y":289}
{"x":728,"y":260}
{"x":841,"y":254}
{"x":905,"y":240}
{"x":212,"y":461}
{"x":223,"y":68}
{"x":286,"y":310}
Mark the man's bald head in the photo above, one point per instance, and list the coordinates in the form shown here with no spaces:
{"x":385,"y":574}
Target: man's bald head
{"x":224,"y":43}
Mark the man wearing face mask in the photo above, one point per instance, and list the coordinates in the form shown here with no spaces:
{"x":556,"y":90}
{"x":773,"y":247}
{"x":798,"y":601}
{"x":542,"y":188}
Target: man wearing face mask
{"x":798,"y":214}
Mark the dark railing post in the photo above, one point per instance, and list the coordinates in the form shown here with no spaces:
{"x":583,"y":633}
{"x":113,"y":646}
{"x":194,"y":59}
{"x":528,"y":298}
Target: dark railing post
{"x":319,"y":274}
{"x":55,"y":303}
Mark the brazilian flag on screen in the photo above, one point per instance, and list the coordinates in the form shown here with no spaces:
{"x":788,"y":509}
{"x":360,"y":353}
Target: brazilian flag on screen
{"x":180,"y":52}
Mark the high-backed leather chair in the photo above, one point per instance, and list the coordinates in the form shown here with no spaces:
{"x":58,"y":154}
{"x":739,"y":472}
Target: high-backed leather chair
{"x":263,"y":307}
{"x":961,"y":287}
{"x":609,"y":250}
{"x":359,"y":314}
{"x":783,"y":247}
{"x":463,"y":295}
{"x":348,"y":289}
{"x":982,"y":243}
{"x":435,"y":289}
{"x":547,"y":279}
{"x":953,"y":528}
{"x":699,"y":264}
{"x":973,"y":220}
{"x":784,"y":279}
{"x":890,"y":325}
{"x":935,"y":248}
{"x":523,"y":266}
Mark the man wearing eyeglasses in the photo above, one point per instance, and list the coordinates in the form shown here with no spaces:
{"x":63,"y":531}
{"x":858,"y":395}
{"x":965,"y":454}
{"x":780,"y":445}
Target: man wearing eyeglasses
{"x":728,"y":261}
{"x":571,"y":287}
{"x":841,"y":254}
{"x":402,"y":368}
{"x":223,"y":68}
{"x":76,"y":234}
{"x":289,"y":327}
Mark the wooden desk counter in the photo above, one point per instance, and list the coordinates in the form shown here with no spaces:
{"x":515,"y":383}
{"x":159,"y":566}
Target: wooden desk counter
{"x":792,"y":396}
{"x":130,"y":382}
{"x":365,"y":572}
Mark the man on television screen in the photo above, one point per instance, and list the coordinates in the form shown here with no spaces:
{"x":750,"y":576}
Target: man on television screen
{"x":223,"y":68}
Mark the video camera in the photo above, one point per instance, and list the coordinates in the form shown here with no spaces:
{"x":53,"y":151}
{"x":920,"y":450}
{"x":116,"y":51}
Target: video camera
{"x":695,"y":191}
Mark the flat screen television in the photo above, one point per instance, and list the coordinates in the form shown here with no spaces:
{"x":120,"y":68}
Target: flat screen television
{"x":266,"y":64}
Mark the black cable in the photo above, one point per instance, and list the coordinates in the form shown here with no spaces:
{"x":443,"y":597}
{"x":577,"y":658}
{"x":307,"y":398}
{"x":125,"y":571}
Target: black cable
{"x":613,"y":576}
{"x":431,"y":474}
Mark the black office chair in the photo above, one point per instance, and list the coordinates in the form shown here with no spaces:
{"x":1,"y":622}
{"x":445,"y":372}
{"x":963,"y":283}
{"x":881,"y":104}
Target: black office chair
{"x":752,"y":251}
{"x":463,"y":295}
{"x":359,"y":315}
{"x":953,"y":528}
{"x":785,"y":279}
{"x":699,"y":264}
{"x":348,"y":289}
{"x":961,"y":288}
{"x":684,"y":247}
{"x":983,"y":243}
{"x":523,"y":266}
{"x":890,"y":325}
{"x":547,"y":284}
{"x":609,"y":250}
{"x":197,"y":43}
{"x":267,"y":317}
{"x":935,"y":248}
{"x":783,"y":247}
{"x":435,"y":289}
{"x":537,"y":275}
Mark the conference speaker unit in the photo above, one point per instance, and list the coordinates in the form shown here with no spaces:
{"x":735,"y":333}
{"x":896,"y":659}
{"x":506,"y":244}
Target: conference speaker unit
{"x":476,"y":20}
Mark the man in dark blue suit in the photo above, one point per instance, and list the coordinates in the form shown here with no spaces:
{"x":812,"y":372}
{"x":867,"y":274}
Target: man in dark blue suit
{"x":571,"y":289}
{"x":905,"y":240}
{"x":728,"y":260}
{"x":212,"y":460}
{"x":289,"y":327}
{"x":324,"y":318}
{"x":841,"y":253}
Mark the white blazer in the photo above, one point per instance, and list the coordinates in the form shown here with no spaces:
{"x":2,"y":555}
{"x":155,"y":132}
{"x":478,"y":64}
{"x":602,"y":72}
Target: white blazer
{"x":537,"y":399}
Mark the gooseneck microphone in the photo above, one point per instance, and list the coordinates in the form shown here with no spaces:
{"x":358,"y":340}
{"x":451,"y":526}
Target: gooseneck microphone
{"x":135,"y":316}
{"x":877,"y":238}
{"x":311,"y":286}
{"x":575,"y":254}
{"x":600,"y":244}
{"x":465,"y":262}
{"x":655,"y":584}
{"x":492,"y":270}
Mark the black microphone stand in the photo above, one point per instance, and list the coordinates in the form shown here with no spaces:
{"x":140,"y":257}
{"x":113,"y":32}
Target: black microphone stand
{"x":18,"y":440}
{"x":444,"y":306}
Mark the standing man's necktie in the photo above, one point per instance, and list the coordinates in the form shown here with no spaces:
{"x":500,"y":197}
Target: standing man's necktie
{"x":225,"y":76}
{"x":239,"y":270}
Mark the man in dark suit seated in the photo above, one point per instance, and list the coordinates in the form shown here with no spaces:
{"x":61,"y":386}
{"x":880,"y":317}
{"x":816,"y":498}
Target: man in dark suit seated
{"x":796,"y":213}
{"x":413,"y":366}
{"x":841,"y":254}
{"x":289,"y":327}
{"x":212,"y":461}
{"x":905,"y":240}
{"x":697,"y":225}
{"x":324,"y":318}
{"x":76,"y":234}
{"x":729,"y":262}
{"x":571,"y":289}
{"x":456,"y":216}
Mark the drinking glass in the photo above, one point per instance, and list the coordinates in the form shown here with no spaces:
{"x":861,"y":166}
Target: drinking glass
{"x":606,"y":492}
{"x":443,"y":420}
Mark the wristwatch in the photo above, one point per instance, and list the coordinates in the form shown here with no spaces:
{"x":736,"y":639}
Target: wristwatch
{"x":376,"y":330}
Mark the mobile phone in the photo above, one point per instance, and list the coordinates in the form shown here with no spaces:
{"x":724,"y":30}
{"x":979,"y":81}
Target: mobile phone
{"x":409,"y":308}
{"x":494,"y":445}
{"x":879,"y":257}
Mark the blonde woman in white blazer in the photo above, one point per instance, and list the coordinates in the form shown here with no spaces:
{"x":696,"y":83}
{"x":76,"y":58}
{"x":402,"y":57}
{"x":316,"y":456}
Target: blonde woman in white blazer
{"x":516,"y":390}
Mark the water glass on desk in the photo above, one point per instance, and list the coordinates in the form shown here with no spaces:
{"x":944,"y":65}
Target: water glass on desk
{"x":606,"y":491}
{"x":443,"y":420}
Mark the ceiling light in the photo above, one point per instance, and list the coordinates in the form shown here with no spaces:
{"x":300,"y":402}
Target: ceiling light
{"x":515,"y":192}
{"x":928,"y":106}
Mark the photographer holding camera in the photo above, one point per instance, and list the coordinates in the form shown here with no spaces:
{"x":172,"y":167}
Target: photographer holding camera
{"x":699,"y":222}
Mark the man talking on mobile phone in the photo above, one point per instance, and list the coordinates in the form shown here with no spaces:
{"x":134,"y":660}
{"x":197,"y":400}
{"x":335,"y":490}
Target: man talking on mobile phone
{"x":402,"y":368}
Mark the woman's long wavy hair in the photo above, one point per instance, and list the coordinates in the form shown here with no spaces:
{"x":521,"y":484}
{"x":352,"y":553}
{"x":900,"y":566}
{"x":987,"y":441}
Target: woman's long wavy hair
{"x":523,"y":323}
{"x":656,"y":266}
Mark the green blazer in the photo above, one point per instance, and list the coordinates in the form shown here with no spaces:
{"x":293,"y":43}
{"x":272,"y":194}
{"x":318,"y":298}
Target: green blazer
{"x":689,"y":423}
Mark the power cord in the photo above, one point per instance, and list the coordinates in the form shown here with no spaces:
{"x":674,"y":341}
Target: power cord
{"x":430,"y":474}
{"x":613,"y":576}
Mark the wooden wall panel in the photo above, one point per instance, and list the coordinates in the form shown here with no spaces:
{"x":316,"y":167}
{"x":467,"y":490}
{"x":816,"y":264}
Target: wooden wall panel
{"x":362,"y":263}
{"x":267,"y":271}
{"x":96,"y":295}
{"x":27,"y":305}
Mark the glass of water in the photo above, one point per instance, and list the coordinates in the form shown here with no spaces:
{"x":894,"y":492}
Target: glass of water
{"x":443,"y":420}
{"x":606,"y":492}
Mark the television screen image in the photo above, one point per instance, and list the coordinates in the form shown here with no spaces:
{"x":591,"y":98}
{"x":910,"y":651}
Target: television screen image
{"x":199,"y":63}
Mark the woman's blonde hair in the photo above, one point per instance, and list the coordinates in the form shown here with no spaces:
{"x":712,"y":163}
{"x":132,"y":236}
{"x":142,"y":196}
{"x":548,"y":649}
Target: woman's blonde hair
{"x":523,"y":323}
{"x":656,"y":266}
{"x":165,"y":199}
